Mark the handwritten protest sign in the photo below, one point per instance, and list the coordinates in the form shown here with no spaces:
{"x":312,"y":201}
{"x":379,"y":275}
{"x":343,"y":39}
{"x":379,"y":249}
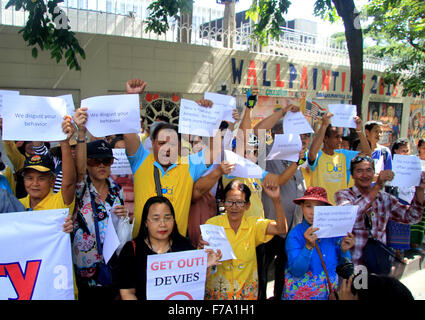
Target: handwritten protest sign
{"x":243,"y":167}
{"x":4,"y":93}
{"x":217,"y":239}
{"x":177,"y":275}
{"x":334,"y":221}
{"x":32,"y":118}
{"x":225,"y":102}
{"x":197,"y":120}
{"x":121,"y":164}
{"x":113,"y":114}
{"x":343,"y":115}
{"x":285,"y":147}
{"x":295,"y":122}
{"x":35,"y":256}
{"x":407,"y":171}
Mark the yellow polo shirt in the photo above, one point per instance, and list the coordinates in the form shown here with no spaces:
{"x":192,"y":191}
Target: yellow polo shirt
{"x":237,"y":279}
{"x":176,"y":183}
{"x":50,"y":202}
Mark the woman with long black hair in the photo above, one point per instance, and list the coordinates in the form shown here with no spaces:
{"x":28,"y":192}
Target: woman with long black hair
{"x":158,"y":234}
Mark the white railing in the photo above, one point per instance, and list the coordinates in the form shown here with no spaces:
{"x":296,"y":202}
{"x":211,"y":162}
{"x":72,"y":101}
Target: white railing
{"x":292,"y":44}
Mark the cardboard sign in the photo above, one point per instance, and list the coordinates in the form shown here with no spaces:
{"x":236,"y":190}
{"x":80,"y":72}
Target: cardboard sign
{"x":33,"y":118}
{"x":343,"y":115}
{"x":177,"y":275}
{"x":114,"y":114}
{"x":407,"y":171}
{"x":296,"y":123}
{"x":334,"y":221}
{"x":285,"y":147}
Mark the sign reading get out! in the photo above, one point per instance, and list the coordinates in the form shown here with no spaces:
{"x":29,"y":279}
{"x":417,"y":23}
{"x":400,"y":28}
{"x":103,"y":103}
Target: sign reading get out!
{"x":176,"y":276}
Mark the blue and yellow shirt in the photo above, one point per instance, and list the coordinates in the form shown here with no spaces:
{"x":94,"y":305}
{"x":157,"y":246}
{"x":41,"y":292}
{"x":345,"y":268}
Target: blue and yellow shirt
{"x":177,"y":184}
{"x":332,"y":172}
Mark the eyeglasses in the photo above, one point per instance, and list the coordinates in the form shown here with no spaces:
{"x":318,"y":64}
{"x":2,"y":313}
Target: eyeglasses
{"x":95,"y":162}
{"x":156,"y":220}
{"x":238,"y":204}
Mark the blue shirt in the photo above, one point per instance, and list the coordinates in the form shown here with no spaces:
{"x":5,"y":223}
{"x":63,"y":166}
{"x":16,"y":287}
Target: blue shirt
{"x":305,"y":277}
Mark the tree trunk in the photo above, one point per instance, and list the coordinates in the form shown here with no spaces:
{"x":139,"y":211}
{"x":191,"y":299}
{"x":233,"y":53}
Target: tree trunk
{"x":229,"y":24}
{"x":353,"y":33}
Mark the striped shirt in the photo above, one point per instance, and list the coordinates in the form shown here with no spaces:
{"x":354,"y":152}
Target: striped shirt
{"x":382,"y":209}
{"x":42,"y":150}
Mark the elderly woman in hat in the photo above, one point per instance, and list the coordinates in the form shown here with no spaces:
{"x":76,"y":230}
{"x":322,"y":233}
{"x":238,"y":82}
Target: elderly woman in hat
{"x":305,"y":277}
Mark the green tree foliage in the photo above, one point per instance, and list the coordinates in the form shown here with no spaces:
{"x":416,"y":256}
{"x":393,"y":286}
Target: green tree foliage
{"x":398,"y":28}
{"x":47,"y":29}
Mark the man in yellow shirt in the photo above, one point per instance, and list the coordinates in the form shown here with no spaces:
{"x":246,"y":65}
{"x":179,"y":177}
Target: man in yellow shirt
{"x":39,"y":180}
{"x":330,"y":167}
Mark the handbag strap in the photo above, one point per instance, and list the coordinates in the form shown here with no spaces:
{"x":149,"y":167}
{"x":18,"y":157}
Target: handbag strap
{"x":157,"y":181}
{"x":96,"y":222}
{"x":324,"y":268}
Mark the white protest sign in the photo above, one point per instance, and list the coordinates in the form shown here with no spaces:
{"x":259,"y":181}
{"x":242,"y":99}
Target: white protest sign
{"x":217,"y":239}
{"x":227,"y":103}
{"x":111,"y":241}
{"x":4,"y":93}
{"x":296,"y":123}
{"x":285,"y":147}
{"x":70,"y":107}
{"x":197,"y":120}
{"x":35,"y":256}
{"x":33,"y":118}
{"x":407,"y":171}
{"x":121,"y":164}
{"x":176,"y":276}
{"x":243,"y":167}
{"x":113,"y":114}
{"x":343,"y":115}
{"x":334,"y":221}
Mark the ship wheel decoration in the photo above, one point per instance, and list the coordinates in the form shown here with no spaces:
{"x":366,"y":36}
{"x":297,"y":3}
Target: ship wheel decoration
{"x":162,"y":108}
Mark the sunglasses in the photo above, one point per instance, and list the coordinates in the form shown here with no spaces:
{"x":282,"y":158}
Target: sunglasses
{"x":95,"y":162}
{"x":358,"y":159}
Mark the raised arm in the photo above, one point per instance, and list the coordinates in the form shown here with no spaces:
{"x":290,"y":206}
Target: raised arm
{"x":279,"y":226}
{"x":80,"y":119}
{"x":132,"y":141}
{"x":318,"y":139}
{"x":69,"y":178}
{"x":364,"y":144}
{"x":205,"y":184}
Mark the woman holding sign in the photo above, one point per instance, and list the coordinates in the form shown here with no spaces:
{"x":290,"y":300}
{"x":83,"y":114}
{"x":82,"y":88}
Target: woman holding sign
{"x":305,"y":277}
{"x":237,"y":279}
{"x":158,"y":234}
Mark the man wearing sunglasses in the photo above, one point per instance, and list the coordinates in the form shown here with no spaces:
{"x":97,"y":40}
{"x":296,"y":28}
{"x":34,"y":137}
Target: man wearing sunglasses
{"x":376,"y":207}
{"x":99,"y":198}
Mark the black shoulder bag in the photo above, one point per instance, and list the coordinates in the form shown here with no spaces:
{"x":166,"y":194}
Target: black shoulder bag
{"x":157,"y":181}
{"x":377,"y":257}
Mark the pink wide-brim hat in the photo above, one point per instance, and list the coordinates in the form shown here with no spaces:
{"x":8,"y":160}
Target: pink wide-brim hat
{"x":314,"y":193}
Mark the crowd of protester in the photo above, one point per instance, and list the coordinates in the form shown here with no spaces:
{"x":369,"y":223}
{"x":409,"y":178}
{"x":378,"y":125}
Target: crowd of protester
{"x":176,"y":186}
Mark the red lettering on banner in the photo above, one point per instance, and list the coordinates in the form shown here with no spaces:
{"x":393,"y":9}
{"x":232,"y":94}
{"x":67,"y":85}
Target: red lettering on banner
{"x":252,"y":73}
{"x":363,"y":83}
{"x":343,"y":81}
{"x":304,"y":78}
{"x":326,"y":78}
{"x":381,"y":86}
{"x":395,"y":91}
{"x":279,"y":83}
{"x":23,"y":283}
